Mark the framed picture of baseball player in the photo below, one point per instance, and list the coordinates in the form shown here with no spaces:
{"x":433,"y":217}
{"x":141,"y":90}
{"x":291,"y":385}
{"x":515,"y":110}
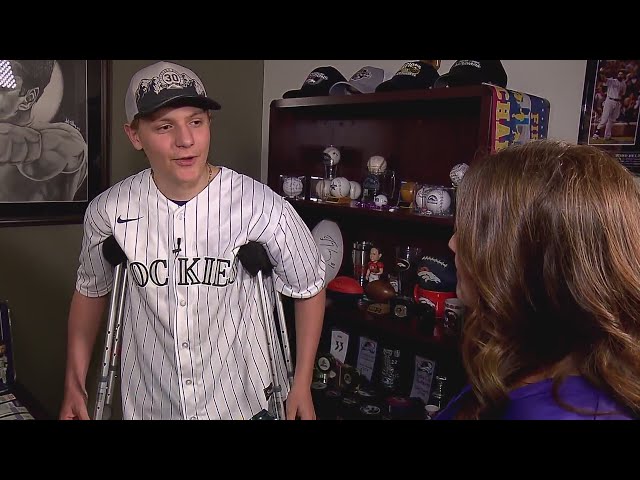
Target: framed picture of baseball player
{"x":54,"y":120}
{"x":610,"y":113}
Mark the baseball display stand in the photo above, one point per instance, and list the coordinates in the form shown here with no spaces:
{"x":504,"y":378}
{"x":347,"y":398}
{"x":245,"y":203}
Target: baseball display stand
{"x":256,"y":262}
{"x":111,"y":353}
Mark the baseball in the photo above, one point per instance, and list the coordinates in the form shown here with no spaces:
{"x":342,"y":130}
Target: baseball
{"x":377,"y":164}
{"x":457,"y":172}
{"x":436,"y":200}
{"x":340,"y":187}
{"x":331,"y":156}
{"x":421,"y":196}
{"x":355,"y":190}
{"x":380,"y":200}
{"x":292,"y":186}
{"x":322,"y":188}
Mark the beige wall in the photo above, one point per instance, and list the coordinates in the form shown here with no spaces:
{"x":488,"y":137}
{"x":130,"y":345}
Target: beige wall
{"x":38,"y":264}
{"x":559,"y":81}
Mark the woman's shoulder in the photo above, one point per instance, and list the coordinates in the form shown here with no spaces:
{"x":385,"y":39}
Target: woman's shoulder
{"x":536,"y":401}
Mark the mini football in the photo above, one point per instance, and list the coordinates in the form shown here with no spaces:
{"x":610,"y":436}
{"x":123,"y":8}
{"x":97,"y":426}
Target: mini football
{"x":344,"y":284}
{"x":380,"y":291}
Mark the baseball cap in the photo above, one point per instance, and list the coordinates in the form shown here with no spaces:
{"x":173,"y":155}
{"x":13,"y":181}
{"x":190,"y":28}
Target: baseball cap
{"x":317,"y":83}
{"x":474,"y":72}
{"x":411,"y":76}
{"x":364,"y":80}
{"x":164,"y":83}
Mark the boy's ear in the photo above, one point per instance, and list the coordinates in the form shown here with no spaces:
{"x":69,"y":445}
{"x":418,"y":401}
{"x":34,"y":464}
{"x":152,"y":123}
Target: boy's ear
{"x":133,"y":135}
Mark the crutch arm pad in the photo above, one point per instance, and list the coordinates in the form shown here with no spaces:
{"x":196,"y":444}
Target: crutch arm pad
{"x":112,"y":252}
{"x":254,"y":258}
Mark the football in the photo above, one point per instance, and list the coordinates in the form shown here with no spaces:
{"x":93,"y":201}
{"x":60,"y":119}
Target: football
{"x":344,"y":284}
{"x":328,"y":237}
{"x":344,"y":289}
{"x":380,"y":291}
{"x":437,"y":274}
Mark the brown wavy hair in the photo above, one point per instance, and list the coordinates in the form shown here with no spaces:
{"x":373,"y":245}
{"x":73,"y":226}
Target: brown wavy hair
{"x":550,"y":235}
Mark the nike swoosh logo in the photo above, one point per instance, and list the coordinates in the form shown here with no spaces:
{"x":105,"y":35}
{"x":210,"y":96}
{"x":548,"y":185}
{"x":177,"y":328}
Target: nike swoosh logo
{"x":125,"y":220}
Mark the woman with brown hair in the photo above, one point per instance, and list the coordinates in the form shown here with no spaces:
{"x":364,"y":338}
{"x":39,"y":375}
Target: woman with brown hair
{"x":547,"y":251}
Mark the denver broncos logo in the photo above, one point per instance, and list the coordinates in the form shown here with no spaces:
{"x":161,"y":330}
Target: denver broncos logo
{"x":427,"y":275}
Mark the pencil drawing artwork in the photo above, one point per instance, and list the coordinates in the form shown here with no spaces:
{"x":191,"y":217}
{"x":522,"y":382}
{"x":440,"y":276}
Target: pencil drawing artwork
{"x":43,"y":131}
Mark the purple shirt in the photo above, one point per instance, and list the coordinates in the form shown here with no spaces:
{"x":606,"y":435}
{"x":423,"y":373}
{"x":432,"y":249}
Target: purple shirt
{"x":535,"y":402}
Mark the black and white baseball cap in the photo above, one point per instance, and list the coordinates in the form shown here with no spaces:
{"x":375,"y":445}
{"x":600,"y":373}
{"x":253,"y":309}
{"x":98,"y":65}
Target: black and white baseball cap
{"x":163,"y":84}
{"x":474,"y":72}
{"x":318,"y":83}
{"x":416,"y":75}
{"x":365,"y":80}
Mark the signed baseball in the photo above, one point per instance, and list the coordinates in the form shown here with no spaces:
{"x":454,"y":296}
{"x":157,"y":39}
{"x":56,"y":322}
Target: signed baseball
{"x":376,"y":164}
{"x":355,"y":190}
{"x":435,"y":200}
{"x":322,"y":188}
{"x":292,"y":186}
{"x":340,"y":187}
{"x":457,"y":172}
{"x":380,"y":200}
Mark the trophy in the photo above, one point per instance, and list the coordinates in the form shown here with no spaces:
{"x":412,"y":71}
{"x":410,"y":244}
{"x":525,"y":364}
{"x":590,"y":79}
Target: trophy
{"x":378,"y":186}
{"x":330,"y":159}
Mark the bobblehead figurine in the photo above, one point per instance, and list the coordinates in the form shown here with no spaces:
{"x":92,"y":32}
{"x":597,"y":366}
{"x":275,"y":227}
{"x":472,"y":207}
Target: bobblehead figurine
{"x":375,"y":268}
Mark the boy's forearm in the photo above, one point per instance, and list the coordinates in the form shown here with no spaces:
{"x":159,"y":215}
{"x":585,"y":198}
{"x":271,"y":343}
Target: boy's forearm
{"x":85,"y":318}
{"x":309,"y":319}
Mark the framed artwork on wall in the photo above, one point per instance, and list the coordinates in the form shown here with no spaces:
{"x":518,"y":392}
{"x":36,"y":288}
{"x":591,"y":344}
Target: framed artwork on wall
{"x":54,"y":139}
{"x":610,"y":114}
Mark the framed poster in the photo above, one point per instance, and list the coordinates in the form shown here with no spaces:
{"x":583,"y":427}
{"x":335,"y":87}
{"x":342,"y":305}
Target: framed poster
{"x":54,"y":126}
{"x":609,"y":113}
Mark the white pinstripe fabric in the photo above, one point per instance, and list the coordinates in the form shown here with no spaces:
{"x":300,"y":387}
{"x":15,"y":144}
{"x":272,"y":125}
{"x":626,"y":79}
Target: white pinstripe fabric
{"x":193,"y":345}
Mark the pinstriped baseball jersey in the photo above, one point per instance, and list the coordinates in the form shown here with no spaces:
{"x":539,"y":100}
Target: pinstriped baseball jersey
{"x":193,"y":345}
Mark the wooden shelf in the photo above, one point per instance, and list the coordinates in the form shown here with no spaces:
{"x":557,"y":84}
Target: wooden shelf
{"x":350,"y":211}
{"x":422,"y":134}
{"x":385,"y":97}
{"x":406,"y":335}
{"x":409,"y":331}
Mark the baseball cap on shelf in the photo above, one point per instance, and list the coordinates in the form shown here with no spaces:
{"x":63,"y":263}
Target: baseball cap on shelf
{"x":411,"y":76}
{"x":317,"y":83}
{"x":364,"y":80}
{"x":163,"y":84}
{"x":474,"y":72}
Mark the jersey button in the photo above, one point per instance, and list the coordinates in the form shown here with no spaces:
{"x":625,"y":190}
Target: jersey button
{"x":180,"y":217}
{"x":188,"y":382}
{"x":193,"y":418}
{"x":185,"y":344}
{"x":183,"y":302}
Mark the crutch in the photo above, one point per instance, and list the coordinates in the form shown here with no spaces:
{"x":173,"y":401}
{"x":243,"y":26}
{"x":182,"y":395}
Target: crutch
{"x":111,"y":353}
{"x":255,"y":260}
